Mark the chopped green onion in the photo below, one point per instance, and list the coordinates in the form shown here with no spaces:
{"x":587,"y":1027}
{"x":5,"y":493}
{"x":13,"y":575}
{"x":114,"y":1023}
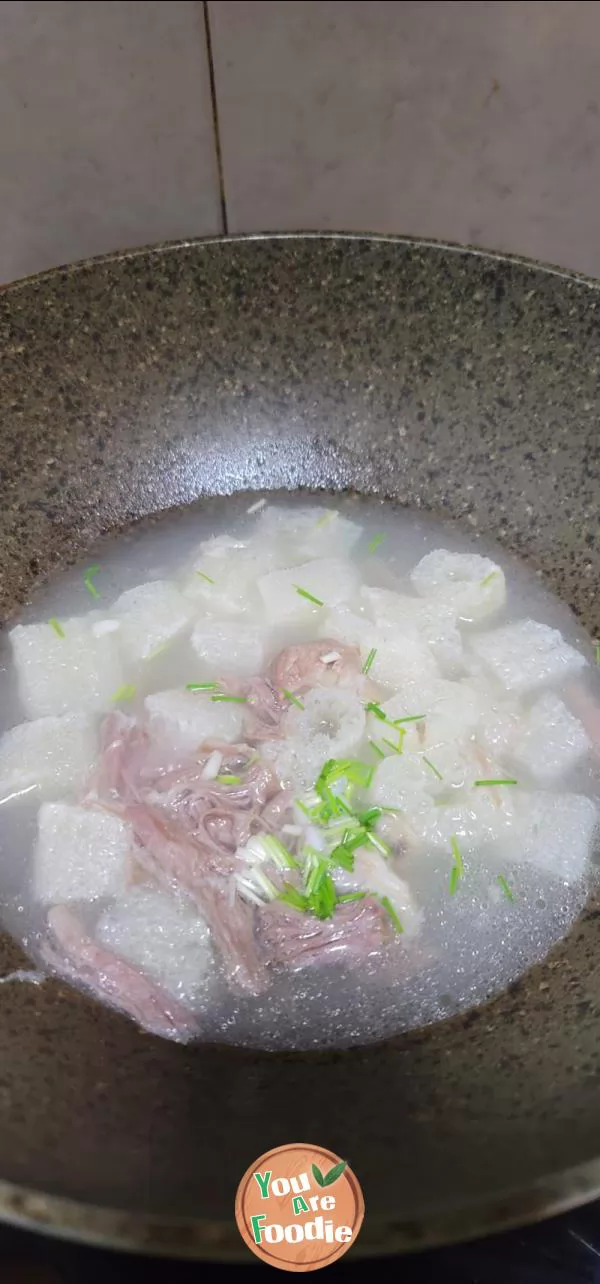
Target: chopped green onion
{"x":158,"y":650}
{"x":487,"y":579}
{"x":369,"y":660}
{"x":376,"y":709}
{"x":375,"y":542}
{"x":598,"y":654}
{"x":290,"y":896}
{"x":376,"y":749}
{"x":370,"y":817}
{"x":88,"y":580}
{"x":326,"y":518}
{"x":225,"y":699}
{"x":201,"y":686}
{"x":510,"y":896}
{"x":495,"y":782}
{"x":454,"y":878}
{"x":289,"y":695}
{"x":126,"y":692}
{"x":387,"y":905}
{"x":310,"y":597}
{"x":433,"y":768}
{"x":378,"y":843}
{"x":202,"y":576}
{"x":458,"y":860}
{"x":344,"y":856}
{"x":276,"y":851}
{"x":323,"y":898}
{"x":414,"y":717}
{"x":347,"y":897}
{"x":229,"y":780}
{"x":396,"y":748}
{"x":58,"y":628}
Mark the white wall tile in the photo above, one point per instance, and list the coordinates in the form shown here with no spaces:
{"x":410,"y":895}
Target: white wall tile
{"x":470,"y":121}
{"x":106,"y":134}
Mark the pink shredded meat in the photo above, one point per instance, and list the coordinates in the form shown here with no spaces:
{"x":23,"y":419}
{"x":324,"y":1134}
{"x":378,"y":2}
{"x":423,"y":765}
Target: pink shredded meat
{"x":296,"y":940}
{"x":74,"y":954}
{"x":298,"y":668}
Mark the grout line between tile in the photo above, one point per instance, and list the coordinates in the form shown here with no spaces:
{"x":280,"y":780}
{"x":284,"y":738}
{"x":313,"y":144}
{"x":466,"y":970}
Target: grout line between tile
{"x":215,"y":116}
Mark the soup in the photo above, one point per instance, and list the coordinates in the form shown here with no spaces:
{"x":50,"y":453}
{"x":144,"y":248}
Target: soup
{"x":288,"y":773}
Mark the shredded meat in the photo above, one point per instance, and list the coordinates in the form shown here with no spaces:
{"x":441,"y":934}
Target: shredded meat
{"x":298,"y":668}
{"x":75,"y":955}
{"x":297,"y":940}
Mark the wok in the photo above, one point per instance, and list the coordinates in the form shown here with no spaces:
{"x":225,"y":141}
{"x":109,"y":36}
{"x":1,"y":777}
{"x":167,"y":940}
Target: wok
{"x":455,"y":381}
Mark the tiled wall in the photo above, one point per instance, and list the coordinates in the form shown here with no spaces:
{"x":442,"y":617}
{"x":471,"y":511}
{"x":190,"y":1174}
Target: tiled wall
{"x":469,"y":120}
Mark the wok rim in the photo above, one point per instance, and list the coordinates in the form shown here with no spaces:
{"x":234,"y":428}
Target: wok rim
{"x":197,"y":1238}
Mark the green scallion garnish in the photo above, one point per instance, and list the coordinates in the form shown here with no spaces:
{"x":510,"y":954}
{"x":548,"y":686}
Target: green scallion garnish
{"x":598,"y":654}
{"x":158,"y":650}
{"x":487,"y":579}
{"x":375,"y":542}
{"x":376,"y":749}
{"x":88,"y":580}
{"x":126,"y":692}
{"x":58,"y":628}
{"x":347,"y":897}
{"x":229,"y":780}
{"x":226,"y":699}
{"x":390,"y":744}
{"x":202,"y":575}
{"x":454,"y":878}
{"x":326,"y":518}
{"x":414,"y":717}
{"x":484,"y":783}
{"x":291,"y":896}
{"x":289,"y":695}
{"x":432,"y":767}
{"x":458,"y":860}
{"x":310,"y":597}
{"x":369,"y":660}
{"x":201,"y":686}
{"x":376,"y":709}
{"x":510,"y":896}
{"x":387,"y":905}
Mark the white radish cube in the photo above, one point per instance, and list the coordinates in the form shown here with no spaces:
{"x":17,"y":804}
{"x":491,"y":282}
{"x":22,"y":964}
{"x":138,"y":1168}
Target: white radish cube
{"x":77,"y":672}
{"x":473,"y":585}
{"x":309,"y":532}
{"x":527,"y":655}
{"x":434,"y":621}
{"x":162,"y":936}
{"x":150,"y":616}
{"x":329,"y":580}
{"x":555,"y":832}
{"x":185,"y":720}
{"x":54,"y":754}
{"x":476,"y":817}
{"x":80,"y":854}
{"x":401,"y":781}
{"x":331,"y":725}
{"x":224,"y":572}
{"x":373,"y":873}
{"x":228,"y":646}
{"x":551,"y":740}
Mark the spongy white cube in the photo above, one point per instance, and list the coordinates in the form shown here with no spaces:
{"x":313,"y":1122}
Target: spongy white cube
{"x":551,"y":741}
{"x":475,"y":818}
{"x":434,"y":621}
{"x":555,"y":832}
{"x":76,"y":672}
{"x":184,"y":720}
{"x":223,"y":573}
{"x":80,"y":853}
{"x":162,"y":936}
{"x":331,"y":725}
{"x":229,"y":646}
{"x":309,"y":532}
{"x":150,"y":616}
{"x":527,"y":655}
{"x":54,"y":754}
{"x":474,"y":585}
{"x":328,"y":579}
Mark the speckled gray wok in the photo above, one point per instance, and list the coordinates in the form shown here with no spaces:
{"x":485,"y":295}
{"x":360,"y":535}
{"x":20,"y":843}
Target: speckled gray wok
{"x":460,"y":382}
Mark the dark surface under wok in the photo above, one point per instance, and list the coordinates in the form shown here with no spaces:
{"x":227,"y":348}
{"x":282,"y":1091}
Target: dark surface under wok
{"x":455,"y":381}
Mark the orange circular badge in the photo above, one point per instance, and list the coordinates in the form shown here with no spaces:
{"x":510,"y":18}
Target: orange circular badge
{"x":299,"y":1207}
